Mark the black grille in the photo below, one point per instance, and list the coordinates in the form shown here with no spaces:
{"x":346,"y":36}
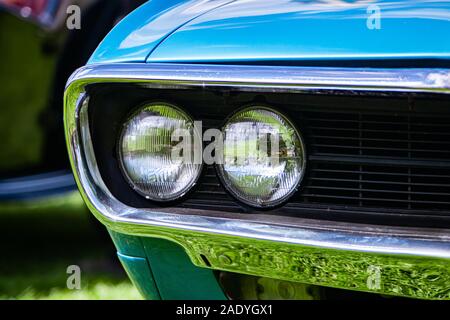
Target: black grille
{"x":378,"y":186}
{"x":374,"y":135}
{"x":380,"y":158}
{"x":362,"y":159}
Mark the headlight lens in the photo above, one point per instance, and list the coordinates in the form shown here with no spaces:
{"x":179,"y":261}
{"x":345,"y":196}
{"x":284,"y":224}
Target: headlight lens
{"x":147,"y":152}
{"x":263,"y":157}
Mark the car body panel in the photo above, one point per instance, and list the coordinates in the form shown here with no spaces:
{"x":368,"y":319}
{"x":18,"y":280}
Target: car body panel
{"x":311,"y":30}
{"x":176,"y":276}
{"x":140,"y":274}
{"x":161,"y":269}
{"x":140,"y":32}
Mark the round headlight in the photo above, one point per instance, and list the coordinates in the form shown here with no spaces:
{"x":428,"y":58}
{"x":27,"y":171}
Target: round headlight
{"x":150,"y":155}
{"x":263,"y":157}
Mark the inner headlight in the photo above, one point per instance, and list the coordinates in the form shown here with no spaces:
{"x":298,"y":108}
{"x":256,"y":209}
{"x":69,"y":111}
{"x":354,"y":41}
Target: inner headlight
{"x":150,"y":154}
{"x":263,"y":157}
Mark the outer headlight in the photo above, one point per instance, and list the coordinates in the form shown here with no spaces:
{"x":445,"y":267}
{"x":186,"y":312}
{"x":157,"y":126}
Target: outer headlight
{"x":263,"y":157}
{"x":147,"y":148}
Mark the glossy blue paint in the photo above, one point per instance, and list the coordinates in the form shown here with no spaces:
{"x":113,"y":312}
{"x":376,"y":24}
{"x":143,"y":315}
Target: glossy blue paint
{"x":256,"y":30}
{"x":141,"y":31}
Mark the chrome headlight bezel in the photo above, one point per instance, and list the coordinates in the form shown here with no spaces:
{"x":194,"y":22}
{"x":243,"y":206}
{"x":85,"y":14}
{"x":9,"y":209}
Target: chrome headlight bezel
{"x":188,"y":187}
{"x":293,"y":188}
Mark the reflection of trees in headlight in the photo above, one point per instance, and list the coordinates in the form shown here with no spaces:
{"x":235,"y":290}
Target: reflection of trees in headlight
{"x":263,"y":157}
{"x":252,"y":142}
{"x":146,"y":151}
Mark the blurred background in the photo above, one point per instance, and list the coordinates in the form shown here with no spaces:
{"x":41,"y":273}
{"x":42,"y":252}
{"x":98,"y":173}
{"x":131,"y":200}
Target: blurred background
{"x":44,"y":225}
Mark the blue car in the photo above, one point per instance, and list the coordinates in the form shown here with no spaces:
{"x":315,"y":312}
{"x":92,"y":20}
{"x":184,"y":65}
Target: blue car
{"x":279,"y":149}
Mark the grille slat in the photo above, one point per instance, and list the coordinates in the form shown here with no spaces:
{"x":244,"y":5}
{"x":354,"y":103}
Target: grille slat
{"x":372,"y":199}
{"x":380,"y":148}
{"x":396,"y":131}
{"x":382,"y":140}
{"x":391,"y":191}
{"x":386,"y":182}
{"x":384,"y":173}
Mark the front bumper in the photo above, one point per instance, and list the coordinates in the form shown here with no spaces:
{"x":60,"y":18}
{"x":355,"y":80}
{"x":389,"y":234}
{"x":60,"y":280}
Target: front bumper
{"x":412,"y":262}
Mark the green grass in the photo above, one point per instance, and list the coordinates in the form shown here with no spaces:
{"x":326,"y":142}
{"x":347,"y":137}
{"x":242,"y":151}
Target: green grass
{"x":39,"y":243}
{"x":48,"y":281}
{"x":97,"y":291}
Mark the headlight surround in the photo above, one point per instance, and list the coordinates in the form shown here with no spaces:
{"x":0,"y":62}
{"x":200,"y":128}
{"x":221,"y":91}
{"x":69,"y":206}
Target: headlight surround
{"x":259,"y":176}
{"x":146,"y":149}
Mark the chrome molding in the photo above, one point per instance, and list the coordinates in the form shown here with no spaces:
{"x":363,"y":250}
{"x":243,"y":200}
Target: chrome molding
{"x":410,"y":262}
{"x":257,"y":77}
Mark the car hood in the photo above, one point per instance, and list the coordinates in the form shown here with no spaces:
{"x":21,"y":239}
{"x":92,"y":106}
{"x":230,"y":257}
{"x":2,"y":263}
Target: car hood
{"x":257,"y":30}
{"x":134,"y":38}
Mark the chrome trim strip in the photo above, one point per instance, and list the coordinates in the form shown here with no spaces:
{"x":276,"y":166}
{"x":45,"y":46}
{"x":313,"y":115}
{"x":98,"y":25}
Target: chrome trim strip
{"x":293,"y":78}
{"x":189,"y":228}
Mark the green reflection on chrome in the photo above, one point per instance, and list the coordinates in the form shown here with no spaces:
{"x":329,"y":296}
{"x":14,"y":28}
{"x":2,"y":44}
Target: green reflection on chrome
{"x":408,"y":276}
